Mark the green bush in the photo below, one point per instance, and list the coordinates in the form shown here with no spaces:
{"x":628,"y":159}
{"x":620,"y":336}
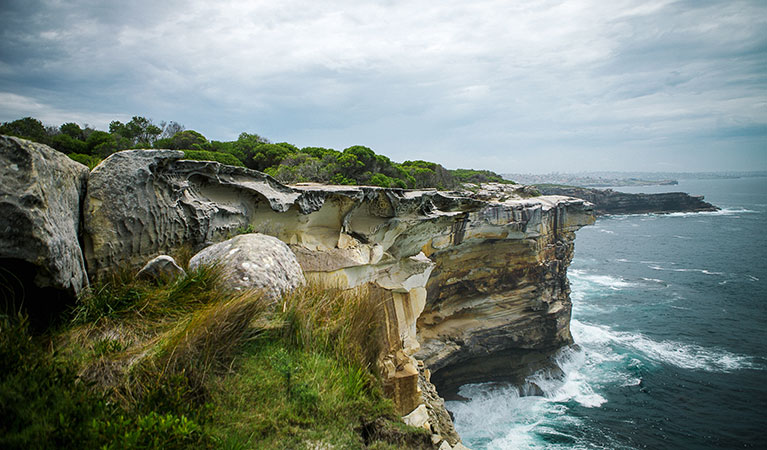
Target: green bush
{"x":89,"y":160}
{"x":149,"y":431}
{"x":41,"y":403}
{"x":202,"y":155}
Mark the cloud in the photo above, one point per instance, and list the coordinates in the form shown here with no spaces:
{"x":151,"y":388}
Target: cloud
{"x":547,"y":85}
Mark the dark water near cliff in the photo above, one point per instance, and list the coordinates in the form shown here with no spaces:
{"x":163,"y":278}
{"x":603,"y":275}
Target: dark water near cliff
{"x":670,"y":312}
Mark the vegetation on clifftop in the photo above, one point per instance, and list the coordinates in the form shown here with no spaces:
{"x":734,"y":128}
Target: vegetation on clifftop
{"x":184,"y":363}
{"x":356,"y":165}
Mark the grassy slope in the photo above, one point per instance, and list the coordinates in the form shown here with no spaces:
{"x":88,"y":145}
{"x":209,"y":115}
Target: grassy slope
{"x":183,"y":363}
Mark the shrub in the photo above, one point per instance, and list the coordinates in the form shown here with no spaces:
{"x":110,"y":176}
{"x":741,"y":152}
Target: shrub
{"x":89,"y":160}
{"x":223,"y":158}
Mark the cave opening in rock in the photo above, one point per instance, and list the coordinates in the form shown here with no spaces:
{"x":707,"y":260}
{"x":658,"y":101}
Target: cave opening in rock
{"x":19,"y":294}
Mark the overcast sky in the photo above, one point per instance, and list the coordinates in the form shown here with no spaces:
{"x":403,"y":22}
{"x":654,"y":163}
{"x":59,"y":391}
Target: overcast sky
{"x":511,"y":86}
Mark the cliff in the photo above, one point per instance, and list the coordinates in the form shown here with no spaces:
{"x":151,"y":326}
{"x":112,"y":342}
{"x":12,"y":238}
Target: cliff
{"x":607,"y":201}
{"x":466,"y":278}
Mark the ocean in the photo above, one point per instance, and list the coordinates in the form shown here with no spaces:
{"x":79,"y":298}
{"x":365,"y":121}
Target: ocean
{"x":670,"y":322}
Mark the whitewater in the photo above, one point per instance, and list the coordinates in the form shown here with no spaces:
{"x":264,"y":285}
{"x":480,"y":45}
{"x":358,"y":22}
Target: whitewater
{"x":669,"y":321}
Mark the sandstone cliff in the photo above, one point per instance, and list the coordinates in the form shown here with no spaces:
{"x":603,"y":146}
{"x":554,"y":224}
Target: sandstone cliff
{"x":465,"y":277}
{"x":468,"y":275}
{"x":607,"y":201}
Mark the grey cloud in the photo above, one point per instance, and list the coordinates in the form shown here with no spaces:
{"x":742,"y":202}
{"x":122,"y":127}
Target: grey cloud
{"x":510,"y":83}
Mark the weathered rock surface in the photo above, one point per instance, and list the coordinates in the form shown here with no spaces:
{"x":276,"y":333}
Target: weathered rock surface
{"x":501,"y":290}
{"x":253,"y":261}
{"x":162,"y":267}
{"x":607,"y":201}
{"x":439,"y":419}
{"x":144,"y":202}
{"x":40,"y":195}
{"x":462,"y":275}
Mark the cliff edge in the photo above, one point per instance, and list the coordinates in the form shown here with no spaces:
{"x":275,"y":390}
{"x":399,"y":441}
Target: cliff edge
{"x":466,"y":278}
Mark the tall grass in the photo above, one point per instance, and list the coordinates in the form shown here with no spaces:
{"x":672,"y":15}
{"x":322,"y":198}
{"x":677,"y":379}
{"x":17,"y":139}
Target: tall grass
{"x":186,"y":362}
{"x":346,"y":323}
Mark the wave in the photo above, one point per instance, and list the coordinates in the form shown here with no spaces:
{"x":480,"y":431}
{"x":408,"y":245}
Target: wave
{"x":721,"y":212}
{"x":653,"y":216}
{"x":613,"y":283}
{"x":685,"y":356}
{"x":704,"y":271}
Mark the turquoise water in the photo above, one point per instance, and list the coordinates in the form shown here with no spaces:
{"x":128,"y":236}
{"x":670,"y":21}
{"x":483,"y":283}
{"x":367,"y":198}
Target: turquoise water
{"x":670,"y":314}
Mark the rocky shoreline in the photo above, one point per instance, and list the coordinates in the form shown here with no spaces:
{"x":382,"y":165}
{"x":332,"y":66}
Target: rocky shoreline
{"x":464,"y":276}
{"x":607,"y":201}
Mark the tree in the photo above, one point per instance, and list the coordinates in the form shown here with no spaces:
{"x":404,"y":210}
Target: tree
{"x":268,"y":155}
{"x":170,"y":129}
{"x":67,"y":144}
{"x":184,"y":140}
{"x":140,"y":131}
{"x":103,"y":144}
{"x":72,"y":130}
{"x":244,"y":148}
{"x":27,"y":128}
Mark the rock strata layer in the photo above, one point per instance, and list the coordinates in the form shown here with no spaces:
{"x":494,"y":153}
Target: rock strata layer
{"x":607,"y":201}
{"x":462,"y":276}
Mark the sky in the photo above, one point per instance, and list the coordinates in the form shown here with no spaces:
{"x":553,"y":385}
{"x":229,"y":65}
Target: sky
{"x":512,"y":86}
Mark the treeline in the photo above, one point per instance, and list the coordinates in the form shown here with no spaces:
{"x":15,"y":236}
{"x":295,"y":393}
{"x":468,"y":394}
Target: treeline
{"x":356,"y":165}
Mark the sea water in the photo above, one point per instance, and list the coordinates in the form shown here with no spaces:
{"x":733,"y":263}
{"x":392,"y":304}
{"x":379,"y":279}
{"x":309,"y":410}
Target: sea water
{"x":670,"y":317}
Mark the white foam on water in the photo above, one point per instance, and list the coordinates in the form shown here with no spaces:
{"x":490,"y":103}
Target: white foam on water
{"x":498,"y":417}
{"x":686,"y":356}
{"x":721,"y":212}
{"x":703,"y":271}
{"x":613,"y":283}
{"x":654,"y":280}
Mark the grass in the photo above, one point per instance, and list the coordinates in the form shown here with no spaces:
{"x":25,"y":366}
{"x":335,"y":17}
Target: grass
{"x":185,"y":363}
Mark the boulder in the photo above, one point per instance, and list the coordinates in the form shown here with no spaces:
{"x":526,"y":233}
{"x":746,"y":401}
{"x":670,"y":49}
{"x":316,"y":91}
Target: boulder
{"x":254,"y":261}
{"x":141,"y":203}
{"x":162,"y":267}
{"x":419,"y":418}
{"x":40,"y":197}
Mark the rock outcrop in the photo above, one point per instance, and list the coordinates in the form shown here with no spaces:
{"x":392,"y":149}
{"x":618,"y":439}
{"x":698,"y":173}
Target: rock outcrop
{"x":40,"y":194}
{"x":607,"y":201}
{"x":502,"y":290}
{"x":141,"y":202}
{"x":253,"y":261}
{"x":462,"y":276}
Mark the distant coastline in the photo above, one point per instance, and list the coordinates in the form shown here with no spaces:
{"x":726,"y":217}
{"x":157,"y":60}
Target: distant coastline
{"x":620,"y":179}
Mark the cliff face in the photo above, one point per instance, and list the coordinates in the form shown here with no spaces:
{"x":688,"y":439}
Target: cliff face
{"x":462,"y":276}
{"x":607,"y":201}
{"x":498,"y":303}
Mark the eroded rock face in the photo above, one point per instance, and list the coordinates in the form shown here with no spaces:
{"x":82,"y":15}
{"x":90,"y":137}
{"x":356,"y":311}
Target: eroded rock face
{"x":253,"y":261}
{"x":462,"y":275}
{"x":144,"y":202}
{"x":40,"y":194}
{"x":502,"y":290}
